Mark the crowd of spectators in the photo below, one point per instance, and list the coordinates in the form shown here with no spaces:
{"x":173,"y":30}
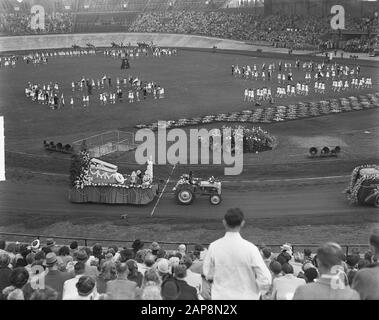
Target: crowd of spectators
{"x":20,"y":23}
{"x":230,"y":268}
{"x":292,"y":32}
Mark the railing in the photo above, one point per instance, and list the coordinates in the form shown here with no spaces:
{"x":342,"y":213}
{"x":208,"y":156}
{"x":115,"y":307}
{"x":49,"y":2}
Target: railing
{"x":88,"y":241}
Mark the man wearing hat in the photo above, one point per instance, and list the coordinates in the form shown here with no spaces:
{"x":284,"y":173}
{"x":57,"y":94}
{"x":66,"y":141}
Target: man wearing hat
{"x":91,"y":271}
{"x":53,"y":277}
{"x":331,"y":284}
{"x":50,"y":243}
{"x":366,"y":281}
{"x":69,"y":287}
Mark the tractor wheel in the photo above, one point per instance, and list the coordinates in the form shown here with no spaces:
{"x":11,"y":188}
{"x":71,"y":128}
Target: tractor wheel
{"x":376,"y":201}
{"x":215,"y":199}
{"x":185,"y":196}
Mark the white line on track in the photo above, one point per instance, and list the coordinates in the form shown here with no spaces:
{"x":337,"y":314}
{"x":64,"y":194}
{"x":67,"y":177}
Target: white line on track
{"x":161,"y":194}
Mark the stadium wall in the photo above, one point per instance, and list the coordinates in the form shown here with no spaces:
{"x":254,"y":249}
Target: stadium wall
{"x":56,"y":41}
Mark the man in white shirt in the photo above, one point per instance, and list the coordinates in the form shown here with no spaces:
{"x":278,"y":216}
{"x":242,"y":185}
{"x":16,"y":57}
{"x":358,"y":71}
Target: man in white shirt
{"x":234,"y":265}
{"x":285,"y":286}
{"x":69,"y":286}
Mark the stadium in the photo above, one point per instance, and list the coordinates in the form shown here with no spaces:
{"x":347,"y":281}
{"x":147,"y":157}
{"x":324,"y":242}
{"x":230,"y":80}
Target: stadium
{"x":80,"y":80}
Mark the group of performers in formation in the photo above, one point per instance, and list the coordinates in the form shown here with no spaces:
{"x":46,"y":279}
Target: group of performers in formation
{"x":335,"y":76}
{"x":140,"y":52}
{"x":38,"y":58}
{"x":136,"y":90}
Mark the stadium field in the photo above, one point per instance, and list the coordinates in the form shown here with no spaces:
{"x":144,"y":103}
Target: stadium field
{"x":196,"y":83}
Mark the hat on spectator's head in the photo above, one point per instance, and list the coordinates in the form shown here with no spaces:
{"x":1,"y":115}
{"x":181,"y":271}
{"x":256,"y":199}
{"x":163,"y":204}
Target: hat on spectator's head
{"x":307,"y":265}
{"x":170,"y":290}
{"x":286,"y":247}
{"x":50,"y":242}
{"x":155,"y":246}
{"x":275,"y":267}
{"x":51,"y":259}
{"x":35,"y":244}
{"x":307,"y":252}
{"x":163,"y":266}
{"x":81,"y":255}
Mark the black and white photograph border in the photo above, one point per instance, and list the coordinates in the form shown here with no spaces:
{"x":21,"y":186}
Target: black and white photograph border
{"x":194,"y":150}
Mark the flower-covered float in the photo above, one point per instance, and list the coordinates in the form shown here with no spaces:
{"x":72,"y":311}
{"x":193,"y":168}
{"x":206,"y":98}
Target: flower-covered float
{"x":96,"y":181}
{"x":364,"y":185}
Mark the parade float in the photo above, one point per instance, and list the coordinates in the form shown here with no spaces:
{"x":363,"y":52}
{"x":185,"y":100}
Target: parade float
{"x":364,"y":185}
{"x":97,"y":181}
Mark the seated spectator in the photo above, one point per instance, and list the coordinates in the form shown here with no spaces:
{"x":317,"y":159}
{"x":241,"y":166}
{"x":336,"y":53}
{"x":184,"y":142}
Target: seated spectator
{"x":266,"y":254}
{"x":44,"y":294}
{"x":90,"y":270}
{"x":2,"y":246}
{"x":133,"y":273}
{"x":53,"y":277}
{"x":18,"y":278}
{"x":86,"y":289}
{"x":64,"y":256}
{"x":285,"y":286}
{"x":366,"y":281}
{"x":50,"y":243}
{"x":137,"y":245}
{"x":182,"y":250}
{"x":5,"y":272}
{"x":199,"y":253}
{"x":29,"y":260}
{"x":121,"y":288}
{"x":187,"y":292}
{"x":108,"y":272}
{"x":193,"y":279}
{"x":329,"y":286}
{"x":69,"y":286}
{"x":163,"y":269}
{"x":73,"y":248}
{"x":126,"y":254}
{"x":154,"y":248}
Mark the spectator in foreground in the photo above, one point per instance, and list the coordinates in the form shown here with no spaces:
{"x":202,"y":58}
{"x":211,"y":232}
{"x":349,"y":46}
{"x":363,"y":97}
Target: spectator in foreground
{"x":18,"y":278}
{"x":366,"y":281}
{"x":108,"y":272}
{"x":86,"y":289}
{"x":187,"y":292}
{"x":69,"y":287}
{"x":121,"y":288}
{"x":285,"y":286}
{"x":44,"y":294}
{"x":329,"y":286}
{"x":235,"y":265}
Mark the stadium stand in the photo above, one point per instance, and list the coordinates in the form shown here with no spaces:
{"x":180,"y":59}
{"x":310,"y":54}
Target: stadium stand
{"x":144,"y":262}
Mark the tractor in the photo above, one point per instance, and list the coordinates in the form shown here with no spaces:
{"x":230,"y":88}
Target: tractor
{"x":187,"y":188}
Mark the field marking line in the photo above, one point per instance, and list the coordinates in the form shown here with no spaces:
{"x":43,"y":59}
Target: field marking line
{"x":286,"y":180}
{"x":164,"y":188}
